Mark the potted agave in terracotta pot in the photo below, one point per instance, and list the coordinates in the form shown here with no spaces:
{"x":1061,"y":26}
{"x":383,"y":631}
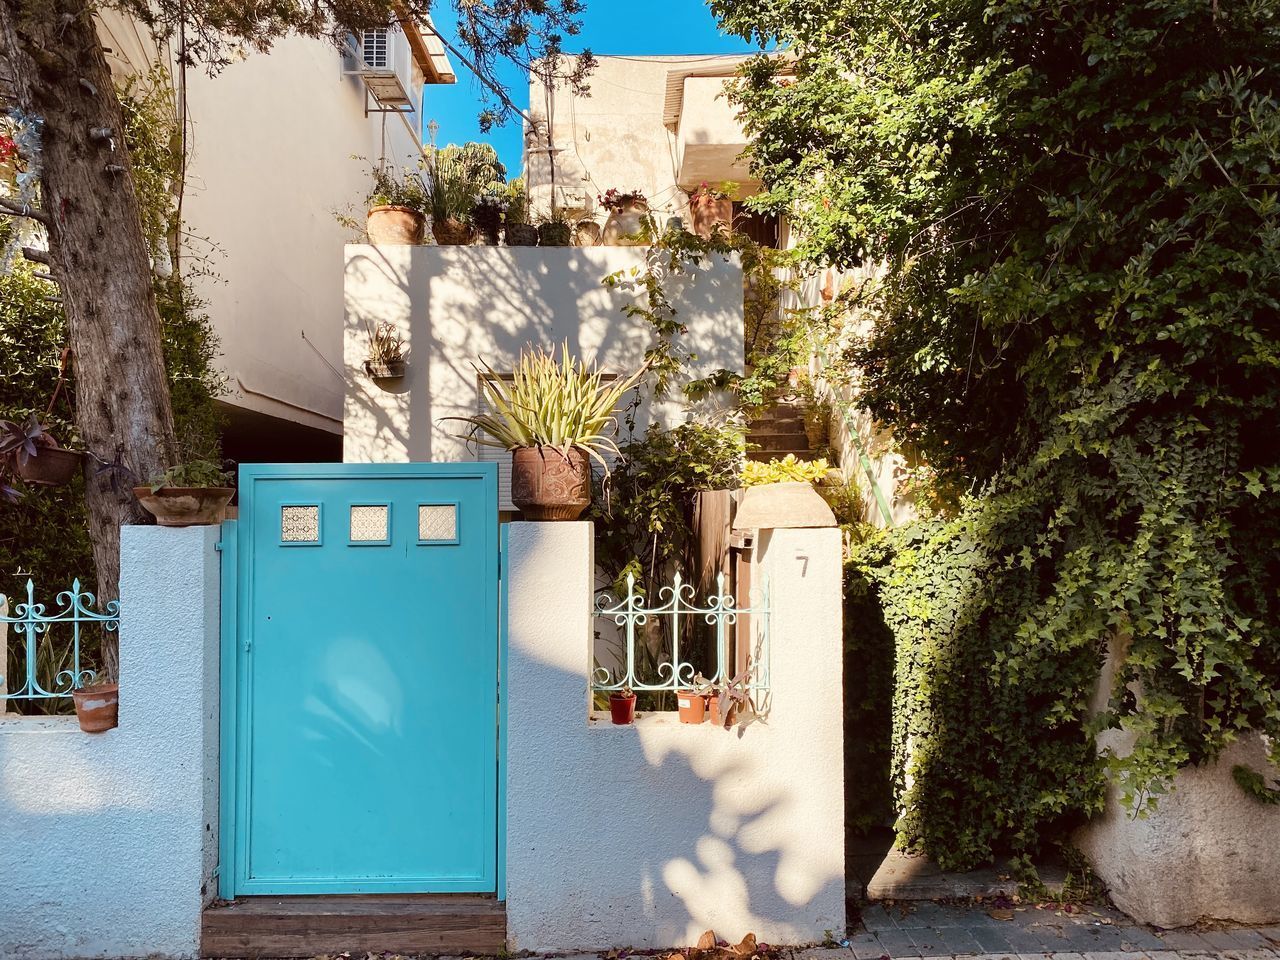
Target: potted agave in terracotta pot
{"x":556,"y":417}
{"x":191,"y":494}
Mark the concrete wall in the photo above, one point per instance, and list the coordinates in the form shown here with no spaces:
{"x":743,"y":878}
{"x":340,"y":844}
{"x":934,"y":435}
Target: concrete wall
{"x":649,"y":834}
{"x":618,"y":136}
{"x":109,"y":840}
{"x":1209,"y":851}
{"x":458,"y":305}
{"x":271,"y":145}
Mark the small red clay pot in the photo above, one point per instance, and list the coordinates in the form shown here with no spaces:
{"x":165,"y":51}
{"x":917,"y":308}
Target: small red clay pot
{"x":97,"y":707}
{"x":693,"y":706}
{"x":622,"y":709}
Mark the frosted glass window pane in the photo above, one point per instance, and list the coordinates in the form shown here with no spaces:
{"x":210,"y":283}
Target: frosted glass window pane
{"x":300,"y":524}
{"x":437,"y":521}
{"x":369,"y":524}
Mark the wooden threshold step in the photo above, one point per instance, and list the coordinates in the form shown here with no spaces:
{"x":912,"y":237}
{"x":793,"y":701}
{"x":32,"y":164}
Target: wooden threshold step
{"x":306,"y":926}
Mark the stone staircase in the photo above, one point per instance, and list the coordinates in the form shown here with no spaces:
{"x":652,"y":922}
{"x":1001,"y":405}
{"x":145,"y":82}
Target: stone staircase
{"x":779,"y":431}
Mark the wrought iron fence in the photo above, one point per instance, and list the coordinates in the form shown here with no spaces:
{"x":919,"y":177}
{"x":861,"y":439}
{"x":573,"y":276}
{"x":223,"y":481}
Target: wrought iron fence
{"x":62,"y":662}
{"x":676,"y":609}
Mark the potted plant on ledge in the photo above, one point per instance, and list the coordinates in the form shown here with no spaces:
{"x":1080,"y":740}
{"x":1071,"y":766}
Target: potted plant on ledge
{"x":555,"y":417}
{"x":520,"y":233}
{"x":97,"y":704}
{"x":555,"y":230}
{"x":627,"y":214}
{"x":190,"y":494}
{"x":395,"y":209}
{"x":450,"y":197}
{"x":622,"y":706}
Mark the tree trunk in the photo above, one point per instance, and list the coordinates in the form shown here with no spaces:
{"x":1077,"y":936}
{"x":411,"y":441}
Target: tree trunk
{"x":99,"y":257}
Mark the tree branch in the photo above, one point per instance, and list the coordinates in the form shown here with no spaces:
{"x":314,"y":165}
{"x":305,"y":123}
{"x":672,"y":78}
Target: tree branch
{"x":35,"y":256}
{"x":23,"y":210}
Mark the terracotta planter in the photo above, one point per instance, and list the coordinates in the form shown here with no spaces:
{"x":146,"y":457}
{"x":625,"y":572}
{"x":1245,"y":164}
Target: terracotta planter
{"x":97,"y":707}
{"x":692,"y":705}
{"x":522,"y":235}
{"x":622,"y":223}
{"x":451,"y":233}
{"x":713,"y":708}
{"x":548,"y":485}
{"x":554,"y":234}
{"x":385,"y":369}
{"x":50,"y":467}
{"x":622,"y":710}
{"x":185,"y":506}
{"x":710,"y":214}
{"x":586,"y":234}
{"x":393,"y":225}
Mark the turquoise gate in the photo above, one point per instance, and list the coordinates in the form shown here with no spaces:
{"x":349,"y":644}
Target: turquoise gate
{"x":360,"y":680}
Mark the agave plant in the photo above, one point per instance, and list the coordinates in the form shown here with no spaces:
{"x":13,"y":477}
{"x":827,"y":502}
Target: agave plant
{"x":551,"y":403}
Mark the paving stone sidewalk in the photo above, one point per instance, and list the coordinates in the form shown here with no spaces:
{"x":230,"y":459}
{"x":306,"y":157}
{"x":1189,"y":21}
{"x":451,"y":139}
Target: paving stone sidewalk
{"x":926,"y":929}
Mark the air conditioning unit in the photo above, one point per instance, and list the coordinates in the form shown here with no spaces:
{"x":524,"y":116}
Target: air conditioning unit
{"x":375,"y":49}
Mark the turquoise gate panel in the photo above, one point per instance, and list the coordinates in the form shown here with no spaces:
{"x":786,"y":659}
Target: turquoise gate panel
{"x":366,"y":686}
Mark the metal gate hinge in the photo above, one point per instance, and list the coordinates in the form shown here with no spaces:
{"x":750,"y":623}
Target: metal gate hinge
{"x":218,"y":546}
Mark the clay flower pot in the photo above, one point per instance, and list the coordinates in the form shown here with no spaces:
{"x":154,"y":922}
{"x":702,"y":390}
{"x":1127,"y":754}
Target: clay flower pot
{"x":50,"y":467}
{"x":692,"y":705}
{"x":710,"y":214}
{"x":385,"y":369}
{"x":547,"y":484}
{"x":97,"y":706}
{"x":395,"y":225}
{"x":624,"y":222}
{"x":522,"y":235}
{"x":586,"y":234}
{"x":185,"y":506}
{"x":622,"y":709}
{"x":713,"y":708}
{"x":451,"y":233}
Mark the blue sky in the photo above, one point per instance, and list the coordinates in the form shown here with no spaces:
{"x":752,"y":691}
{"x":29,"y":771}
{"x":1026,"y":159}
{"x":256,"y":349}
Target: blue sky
{"x":608,"y":27}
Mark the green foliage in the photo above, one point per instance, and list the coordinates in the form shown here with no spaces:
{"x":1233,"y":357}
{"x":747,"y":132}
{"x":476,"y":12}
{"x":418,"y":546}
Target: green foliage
{"x":1074,"y":212}
{"x":1255,"y":784}
{"x":548,"y":403}
{"x":392,"y":189}
{"x":789,"y":469}
{"x":517,"y":197}
{"x":192,"y":473}
{"x":644,"y":515}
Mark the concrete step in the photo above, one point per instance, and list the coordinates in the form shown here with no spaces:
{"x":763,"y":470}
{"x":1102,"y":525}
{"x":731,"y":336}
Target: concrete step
{"x":779,"y":441}
{"x":764,"y":456}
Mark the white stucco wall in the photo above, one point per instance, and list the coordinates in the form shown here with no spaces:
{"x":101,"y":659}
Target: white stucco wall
{"x":650,"y":834}
{"x":458,"y":305}
{"x":107,"y":841}
{"x":1208,"y":851}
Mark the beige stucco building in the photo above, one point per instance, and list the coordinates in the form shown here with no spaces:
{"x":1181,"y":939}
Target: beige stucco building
{"x":272,"y":141}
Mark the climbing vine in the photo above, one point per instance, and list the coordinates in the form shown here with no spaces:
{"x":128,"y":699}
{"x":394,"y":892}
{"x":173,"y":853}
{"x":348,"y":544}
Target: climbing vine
{"x":1074,"y":215}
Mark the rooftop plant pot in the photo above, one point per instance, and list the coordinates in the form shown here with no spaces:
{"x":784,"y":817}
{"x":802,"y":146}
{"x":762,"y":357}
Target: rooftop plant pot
{"x":50,"y":467}
{"x":548,"y":485}
{"x":692,"y":706}
{"x":385,"y":369}
{"x":623,"y":223}
{"x":97,"y":706}
{"x":522,"y":235}
{"x":622,"y":710}
{"x":388,"y":225}
{"x":185,"y":506}
{"x":451,"y":233}
{"x":586,"y":234}
{"x":710,"y":214}
{"x":554,"y":234}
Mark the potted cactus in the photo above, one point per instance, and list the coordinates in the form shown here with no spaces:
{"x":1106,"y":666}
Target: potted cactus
{"x":556,"y":417}
{"x":190,"y":494}
{"x":450,"y":198}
